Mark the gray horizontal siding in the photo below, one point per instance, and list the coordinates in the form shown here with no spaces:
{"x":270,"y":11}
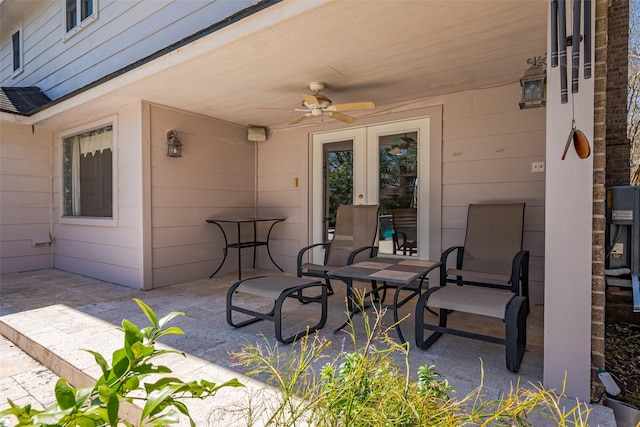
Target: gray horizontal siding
{"x":25,"y":197}
{"x":124,"y":33}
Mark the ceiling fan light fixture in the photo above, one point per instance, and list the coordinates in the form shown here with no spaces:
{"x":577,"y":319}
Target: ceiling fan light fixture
{"x":317,"y":86}
{"x":404,"y":141}
{"x":408,"y":140}
{"x":401,"y":145}
{"x":317,"y":105}
{"x":323,"y":101}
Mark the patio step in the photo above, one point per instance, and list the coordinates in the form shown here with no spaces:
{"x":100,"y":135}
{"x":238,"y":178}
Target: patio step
{"x":55,"y":336}
{"x":60,"y":365}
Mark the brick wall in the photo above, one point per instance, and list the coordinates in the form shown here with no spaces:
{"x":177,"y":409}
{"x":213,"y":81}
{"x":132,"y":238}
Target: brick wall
{"x":617,"y":171}
{"x":610,"y":151}
{"x":600,"y":159}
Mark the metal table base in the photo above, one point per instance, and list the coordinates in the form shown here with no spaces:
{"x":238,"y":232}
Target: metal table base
{"x":247,"y":243}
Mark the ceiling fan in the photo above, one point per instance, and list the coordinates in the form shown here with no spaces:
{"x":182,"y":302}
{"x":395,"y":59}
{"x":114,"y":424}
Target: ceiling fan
{"x":317,"y":105}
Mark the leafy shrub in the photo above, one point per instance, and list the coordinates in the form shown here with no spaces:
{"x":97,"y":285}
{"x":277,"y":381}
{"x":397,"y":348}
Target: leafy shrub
{"x":122,"y":382}
{"x":365,"y":387}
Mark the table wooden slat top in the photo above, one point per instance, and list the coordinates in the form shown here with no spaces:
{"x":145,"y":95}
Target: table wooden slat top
{"x":394,"y":270}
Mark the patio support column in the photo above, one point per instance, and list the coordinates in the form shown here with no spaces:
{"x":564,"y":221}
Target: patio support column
{"x":568,"y":237}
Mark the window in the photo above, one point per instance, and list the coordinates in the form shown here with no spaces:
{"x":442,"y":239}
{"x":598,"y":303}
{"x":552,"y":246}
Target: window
{"x":16,"y":50}
{"x":87,"y":169}
{"x":86,"y":10}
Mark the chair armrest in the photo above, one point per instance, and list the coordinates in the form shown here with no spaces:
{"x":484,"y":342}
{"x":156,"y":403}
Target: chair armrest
{"x":443,"y":262}
{"x":520,"y":274}
{"x":355,"y":253}
{"x":302,"y":252}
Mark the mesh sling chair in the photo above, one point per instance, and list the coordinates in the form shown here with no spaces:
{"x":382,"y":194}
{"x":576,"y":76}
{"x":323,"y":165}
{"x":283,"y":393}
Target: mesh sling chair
{"x":276,"y":289}
{"x":405,"y":230}
{"x":353,"y":239}
{"x":491,"y":278}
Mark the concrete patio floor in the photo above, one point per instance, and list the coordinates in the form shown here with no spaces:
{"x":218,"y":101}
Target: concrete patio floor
{"x":52,"y":314}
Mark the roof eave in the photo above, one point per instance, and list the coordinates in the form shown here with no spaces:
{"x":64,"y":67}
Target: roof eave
{"x":164,"y":51}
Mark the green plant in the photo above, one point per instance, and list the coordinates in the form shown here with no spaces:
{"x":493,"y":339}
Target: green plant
{"x":122,"y":382}
{"x":522,"y":407}
{"x":363,"y":386}
{"x":360,"y":387}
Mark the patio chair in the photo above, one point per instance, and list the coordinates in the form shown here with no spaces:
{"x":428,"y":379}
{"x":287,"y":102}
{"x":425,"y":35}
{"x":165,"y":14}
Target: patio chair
{"x":405,"y":230}
{"x":275,"y":289}
{"x":490,"y":278}
{"x":353,"y":240}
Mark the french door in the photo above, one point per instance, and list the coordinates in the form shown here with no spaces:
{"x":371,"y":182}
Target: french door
{"x":386,"y":164}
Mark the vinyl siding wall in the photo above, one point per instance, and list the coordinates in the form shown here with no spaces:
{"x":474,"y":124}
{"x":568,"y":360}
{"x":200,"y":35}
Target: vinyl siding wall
{"x":25,"y":197}
{"x":488,"y":145}
{"x":60,"y":64}
{"x":214,"y":177}
{"x":107,"y":250}
{"x":161,"y":236}
{"x":281,"y":158}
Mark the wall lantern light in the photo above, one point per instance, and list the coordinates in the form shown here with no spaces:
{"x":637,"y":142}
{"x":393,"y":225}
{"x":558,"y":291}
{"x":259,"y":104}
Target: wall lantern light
{"x":174,"y":146}
{"x":534,"y":83}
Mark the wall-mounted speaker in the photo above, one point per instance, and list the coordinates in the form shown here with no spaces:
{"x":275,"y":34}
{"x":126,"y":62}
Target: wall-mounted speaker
{"x":257,"y":134}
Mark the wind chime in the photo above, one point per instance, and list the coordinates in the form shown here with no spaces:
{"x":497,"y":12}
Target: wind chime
{"x":559,"y":43}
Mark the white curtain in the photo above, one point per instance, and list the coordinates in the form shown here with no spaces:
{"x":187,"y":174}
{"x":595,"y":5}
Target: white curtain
{"x":95,"y":142}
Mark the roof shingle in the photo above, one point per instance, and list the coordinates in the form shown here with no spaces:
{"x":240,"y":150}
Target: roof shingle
{"x":22,"y":100}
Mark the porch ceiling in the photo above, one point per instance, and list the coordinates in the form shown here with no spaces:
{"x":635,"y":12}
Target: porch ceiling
{"x":389,"y":52}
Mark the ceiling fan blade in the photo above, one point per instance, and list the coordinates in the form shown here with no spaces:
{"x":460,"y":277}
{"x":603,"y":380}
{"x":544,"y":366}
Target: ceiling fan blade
{"x":352,"y":106}
{"x":342,"y":117}
{"x":310,"y":99}
{"x":298,"y":119}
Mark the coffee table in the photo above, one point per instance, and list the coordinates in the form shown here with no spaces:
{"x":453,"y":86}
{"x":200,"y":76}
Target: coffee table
{"x":408,"y":276}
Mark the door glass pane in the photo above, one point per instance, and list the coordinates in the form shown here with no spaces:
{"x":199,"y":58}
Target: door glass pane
{"x":398,"y":193}
{"x":338,"y":181}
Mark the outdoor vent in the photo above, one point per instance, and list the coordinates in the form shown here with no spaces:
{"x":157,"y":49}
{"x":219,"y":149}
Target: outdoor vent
{"x":41,"y":238}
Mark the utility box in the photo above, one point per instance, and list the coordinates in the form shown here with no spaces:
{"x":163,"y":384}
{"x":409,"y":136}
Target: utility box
{"x":622,"y":237}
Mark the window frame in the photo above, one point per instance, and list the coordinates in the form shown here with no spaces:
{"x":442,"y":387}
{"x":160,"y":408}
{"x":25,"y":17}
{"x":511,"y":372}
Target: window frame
{"x":17,"y":30}
{"x":111,"y":221}
{"x":81,"y":23}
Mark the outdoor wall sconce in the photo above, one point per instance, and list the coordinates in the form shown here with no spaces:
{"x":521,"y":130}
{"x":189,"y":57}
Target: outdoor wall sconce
{"x":533,"y":83}
{"x":174,"y":146}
